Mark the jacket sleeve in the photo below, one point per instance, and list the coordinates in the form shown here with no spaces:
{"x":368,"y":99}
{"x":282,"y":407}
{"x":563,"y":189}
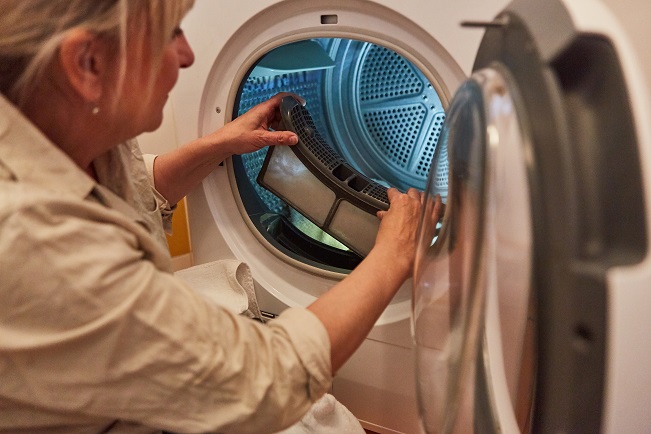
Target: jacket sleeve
{"x":166,"y":210}
{"x":91,"y":330}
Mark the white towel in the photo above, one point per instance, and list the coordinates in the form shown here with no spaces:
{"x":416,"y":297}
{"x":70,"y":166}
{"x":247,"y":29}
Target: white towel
{"x":227,"y":283}
{"x":327,"y":416}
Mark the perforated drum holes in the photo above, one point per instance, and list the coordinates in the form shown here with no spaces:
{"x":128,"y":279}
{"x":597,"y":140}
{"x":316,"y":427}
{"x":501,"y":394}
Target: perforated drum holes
{"x":383,"y":112}
{"x":386,"y":74}
{"x":395,"y":131}
{"x":427,"y":152}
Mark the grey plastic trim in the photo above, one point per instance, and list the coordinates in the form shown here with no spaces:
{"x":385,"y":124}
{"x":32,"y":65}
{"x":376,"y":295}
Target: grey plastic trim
{"x":548,"y":23}
{"x":573,"y":92}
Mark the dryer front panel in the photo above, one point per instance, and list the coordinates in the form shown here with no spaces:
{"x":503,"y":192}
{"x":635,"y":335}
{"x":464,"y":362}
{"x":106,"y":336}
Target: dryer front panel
{"x":473,"y":272}
{"x":377,"y":86}
{"x":392,"y":69}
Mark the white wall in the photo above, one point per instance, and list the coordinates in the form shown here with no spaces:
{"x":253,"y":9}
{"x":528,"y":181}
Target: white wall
{"x":165,"y":138}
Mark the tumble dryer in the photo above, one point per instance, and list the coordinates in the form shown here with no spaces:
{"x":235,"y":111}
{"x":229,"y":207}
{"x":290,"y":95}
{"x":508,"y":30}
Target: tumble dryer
{"x":377,"y":77}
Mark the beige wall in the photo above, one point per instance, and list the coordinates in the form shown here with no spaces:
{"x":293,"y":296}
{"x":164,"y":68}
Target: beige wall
{"x":634,"y":17}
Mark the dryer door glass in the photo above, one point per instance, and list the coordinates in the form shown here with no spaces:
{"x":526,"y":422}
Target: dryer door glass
{"x":448,"y":283}
{"x":505,"y":369}
{"x":370,"y":104}
{"x":472,"y":319}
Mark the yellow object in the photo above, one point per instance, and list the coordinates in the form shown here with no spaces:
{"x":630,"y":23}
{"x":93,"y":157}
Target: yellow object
{"x":179,"y":241}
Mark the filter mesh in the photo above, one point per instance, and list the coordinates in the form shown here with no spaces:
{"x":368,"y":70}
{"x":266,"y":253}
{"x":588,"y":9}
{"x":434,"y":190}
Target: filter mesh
{"x":318,"y":147}
{"x":255,"y":90}
{"x":259,"y":89}
{"x":377,"y":191}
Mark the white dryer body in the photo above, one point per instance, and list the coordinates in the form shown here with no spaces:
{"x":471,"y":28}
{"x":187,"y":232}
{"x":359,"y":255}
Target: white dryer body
{"x":229,"y":39}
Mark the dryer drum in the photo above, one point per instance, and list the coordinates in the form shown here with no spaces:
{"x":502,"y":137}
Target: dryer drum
{"x":377,"y":110}
{"x":383,"y":112}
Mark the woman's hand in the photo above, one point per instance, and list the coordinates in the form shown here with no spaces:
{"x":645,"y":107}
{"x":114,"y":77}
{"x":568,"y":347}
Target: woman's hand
{"x":349,"y":309}
{"x":399,"y":226}
{"x":250,"y":132}
{"x":180,"y":170}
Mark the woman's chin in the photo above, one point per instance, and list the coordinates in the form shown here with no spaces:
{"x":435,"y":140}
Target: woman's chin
{"x":154,"y":123}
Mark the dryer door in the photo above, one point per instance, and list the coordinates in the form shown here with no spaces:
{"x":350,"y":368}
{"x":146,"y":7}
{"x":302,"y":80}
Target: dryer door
{"x":473,"y":272}
{"x":449,"y":280}
{"x":516,"y":340}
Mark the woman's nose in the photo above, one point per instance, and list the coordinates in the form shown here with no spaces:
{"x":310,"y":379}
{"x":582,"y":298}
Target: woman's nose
{"x":186,"y":55}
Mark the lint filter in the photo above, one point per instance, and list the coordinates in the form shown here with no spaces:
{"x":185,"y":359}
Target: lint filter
{"x":316,"y":181}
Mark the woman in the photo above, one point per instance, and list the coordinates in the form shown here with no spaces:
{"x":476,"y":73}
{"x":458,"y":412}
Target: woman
{"x":96,"y":334}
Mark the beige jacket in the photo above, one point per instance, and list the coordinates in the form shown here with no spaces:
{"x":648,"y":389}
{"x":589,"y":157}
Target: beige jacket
{"x":96,"y":334}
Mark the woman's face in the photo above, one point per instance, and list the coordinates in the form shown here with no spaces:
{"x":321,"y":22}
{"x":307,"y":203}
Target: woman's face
{"x":142,"y":102}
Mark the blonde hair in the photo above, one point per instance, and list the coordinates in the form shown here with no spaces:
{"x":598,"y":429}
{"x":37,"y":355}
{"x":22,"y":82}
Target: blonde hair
{"x":32,"y":30}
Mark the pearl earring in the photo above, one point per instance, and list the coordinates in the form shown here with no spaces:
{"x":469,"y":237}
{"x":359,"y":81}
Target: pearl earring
{"x":95,"y":110}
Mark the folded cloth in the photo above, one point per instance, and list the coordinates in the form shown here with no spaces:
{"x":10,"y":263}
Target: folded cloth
{"x":227,"y":283}
{"x":326,"y":416}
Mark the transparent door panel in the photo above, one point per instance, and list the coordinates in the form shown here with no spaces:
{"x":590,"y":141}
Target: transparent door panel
{"x":473,"y":325}
{"x":448,"y":287}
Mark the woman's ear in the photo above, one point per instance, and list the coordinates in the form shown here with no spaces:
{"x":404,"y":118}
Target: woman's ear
{"x":83,"y":59}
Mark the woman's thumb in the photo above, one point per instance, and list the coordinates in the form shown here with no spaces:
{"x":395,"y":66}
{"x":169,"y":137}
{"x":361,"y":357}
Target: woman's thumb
{"x":281,"y":138}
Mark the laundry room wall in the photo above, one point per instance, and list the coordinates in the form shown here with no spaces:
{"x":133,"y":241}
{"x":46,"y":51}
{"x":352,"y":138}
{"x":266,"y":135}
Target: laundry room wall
{"x":633,"y":15}
{"x":162,"y":140}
